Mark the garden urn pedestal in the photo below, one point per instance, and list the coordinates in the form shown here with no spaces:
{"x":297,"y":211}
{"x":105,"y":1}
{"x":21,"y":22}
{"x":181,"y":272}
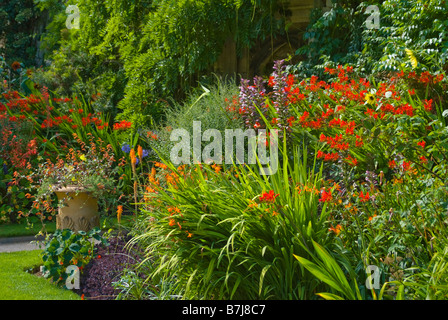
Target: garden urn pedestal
{"x":79,"y":210}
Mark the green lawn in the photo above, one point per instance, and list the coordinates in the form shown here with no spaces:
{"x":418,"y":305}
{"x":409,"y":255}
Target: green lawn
{"x":22,"y":229}
{"x":17,"y":284}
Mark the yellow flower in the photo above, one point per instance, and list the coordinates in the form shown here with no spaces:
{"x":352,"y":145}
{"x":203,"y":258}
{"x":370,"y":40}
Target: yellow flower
{"x":370,"y":98}
{"x":82,"y":157}
{"x":412,"y":58}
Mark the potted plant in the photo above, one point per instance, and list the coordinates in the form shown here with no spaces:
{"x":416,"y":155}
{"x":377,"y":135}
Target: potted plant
{"x":80,"y":179}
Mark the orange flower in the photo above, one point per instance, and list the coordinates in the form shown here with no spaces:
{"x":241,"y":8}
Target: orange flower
{"x":119,"y":212}
{"x":172,"y":222}
{"x":16,"y":65}
{"x":173,"y":210}
{"x":336,"y":229}
{"x":160,"y":165}
{"x":133,"y":158}
{"x":140,"y":152}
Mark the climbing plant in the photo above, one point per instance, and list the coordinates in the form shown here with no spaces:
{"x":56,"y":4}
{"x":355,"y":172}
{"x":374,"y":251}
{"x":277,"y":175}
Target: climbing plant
{"x":142,"y":51}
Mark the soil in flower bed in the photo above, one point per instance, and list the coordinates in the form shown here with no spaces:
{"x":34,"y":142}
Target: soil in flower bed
{"x":106,"y":267}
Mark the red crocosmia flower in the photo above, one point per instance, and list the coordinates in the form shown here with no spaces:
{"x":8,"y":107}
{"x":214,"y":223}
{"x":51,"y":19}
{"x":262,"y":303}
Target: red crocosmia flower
{"x":422,"y":144}
{"x":392,"y":164}
{"x":423,"y":160}
{"x":304,"y":116}
{"x":326,"y":196}
{"x":322,"y":138}
{"x":406,"y":165}
{"x":122,"y":125}
{"x":268,"y":196}
{"x":331,"y":156}
{"x":352,"y":161}
{"x":290,"y":80}
{"x":330,"y":70}
{"x":428,"y":105}
{"x":291,"y":121}
{"x":364,"y":197}
{"x":359,"y":143}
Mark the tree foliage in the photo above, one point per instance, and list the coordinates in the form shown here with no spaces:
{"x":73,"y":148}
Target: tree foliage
{"x":141,"y":51}
{"x":411,"y":36}
{"x":18,"y":24}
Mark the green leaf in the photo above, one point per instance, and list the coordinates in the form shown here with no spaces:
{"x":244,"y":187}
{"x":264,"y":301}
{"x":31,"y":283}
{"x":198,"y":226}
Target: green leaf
{"x":329,"y":296}
{"x":263,"y":272}
{"x":74,"y":247}
{"x":318,"y":272}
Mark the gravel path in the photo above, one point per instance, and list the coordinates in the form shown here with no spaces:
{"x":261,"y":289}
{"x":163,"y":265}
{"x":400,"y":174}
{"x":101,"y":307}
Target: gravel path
{"x":18,"y":244}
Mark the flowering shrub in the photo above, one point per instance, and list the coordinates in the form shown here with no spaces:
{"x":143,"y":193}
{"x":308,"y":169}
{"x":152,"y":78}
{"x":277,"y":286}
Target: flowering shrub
{"x":375,"y":195}
{"x":39,"y":127}
{"x":349,"y":121}
{"x":383,"y":145}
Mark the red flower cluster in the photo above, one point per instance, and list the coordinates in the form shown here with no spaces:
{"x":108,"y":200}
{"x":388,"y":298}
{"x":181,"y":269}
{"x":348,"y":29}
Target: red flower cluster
{"x":333,"y":112}
{"x":327,"y":156}
{"x":364,"y":197}
{"x":122,"y":125}
{"x":94,"y":120}
{"x":336,"y":142}
{"x":326,"y":196}
{"x":268,"y":196}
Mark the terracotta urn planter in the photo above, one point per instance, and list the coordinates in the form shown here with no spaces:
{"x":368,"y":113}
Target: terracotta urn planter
{"x":80,"y":210}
